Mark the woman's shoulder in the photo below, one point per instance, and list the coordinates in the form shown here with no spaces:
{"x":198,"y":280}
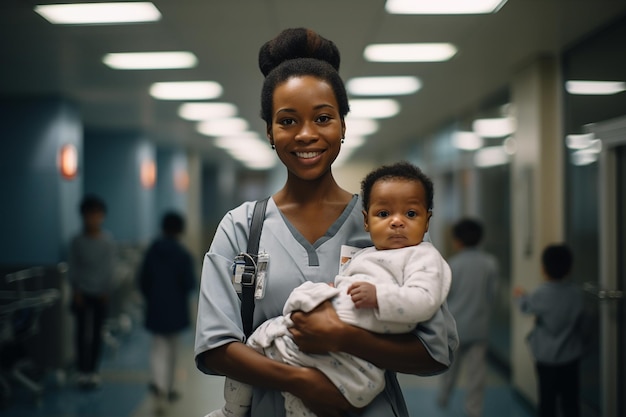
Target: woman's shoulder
{"x":241,"y":214}
{"x":242,"y":210}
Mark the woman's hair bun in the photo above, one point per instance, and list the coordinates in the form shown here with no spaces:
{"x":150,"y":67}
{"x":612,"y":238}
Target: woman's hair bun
{"x":297,"y":43}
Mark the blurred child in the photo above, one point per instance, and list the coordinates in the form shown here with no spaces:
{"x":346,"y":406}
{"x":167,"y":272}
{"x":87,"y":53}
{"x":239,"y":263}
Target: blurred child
{"x":166,"y":280}
{"x":91,"y":265}
{"x":556,"y":340}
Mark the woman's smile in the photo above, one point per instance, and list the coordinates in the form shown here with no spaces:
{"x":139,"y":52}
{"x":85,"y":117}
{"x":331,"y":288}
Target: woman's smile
{"x":307,"y":155}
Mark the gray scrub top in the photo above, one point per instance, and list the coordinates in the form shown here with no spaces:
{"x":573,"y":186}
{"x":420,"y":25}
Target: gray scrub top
{"x":293,"y":260}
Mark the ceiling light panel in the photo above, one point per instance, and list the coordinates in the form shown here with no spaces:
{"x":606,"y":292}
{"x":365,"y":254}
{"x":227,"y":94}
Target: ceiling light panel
{"x":383,"y":86}
{"x":491,"y":156}
{"x":494,"y":128}
{"x":222,"y":127}
{"x":381,"y":108}
{"x":443,"y":6}
{"x":579,"y":141}
{"x":353,"y":141}
{"x":206,"y":111}
{"x":150,"y":60}
{"x":99,"y":13}
{"x":595,"y":87}
{"x":186,"y":90}
{"x":467,"y":141}
{"x":249,"y":149}
{"x":409,"y":52}
{"x":360,"y":126}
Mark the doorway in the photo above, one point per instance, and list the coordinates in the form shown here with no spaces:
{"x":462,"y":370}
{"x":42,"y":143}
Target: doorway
{"x":612,"y":277}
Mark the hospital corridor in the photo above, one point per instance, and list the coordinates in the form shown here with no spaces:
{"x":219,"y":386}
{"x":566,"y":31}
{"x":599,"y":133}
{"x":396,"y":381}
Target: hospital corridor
{"x":137,"y":136}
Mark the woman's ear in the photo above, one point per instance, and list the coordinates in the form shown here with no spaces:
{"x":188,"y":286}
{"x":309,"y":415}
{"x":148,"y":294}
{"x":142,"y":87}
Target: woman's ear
{"x":367,"y":227}
{"x":268,"y":133}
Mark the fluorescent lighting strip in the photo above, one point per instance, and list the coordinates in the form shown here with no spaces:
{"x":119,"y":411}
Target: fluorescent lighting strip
{"x":383,"y":86}
{"x":374,"y":108}
{"x":595,"y":87}
{"x":221,"y":127}
{"x":494,"y":128}
{"x":206,"y":111}
{"x":490,"y":156}
{"x":467,"y":141}
{"x":443,"y":6}
{"x":186,"y":90}
{"x":150,"y":60}
{"x":99,"y":13}
{"x":360,"y":126}
{"x":409,"y":52}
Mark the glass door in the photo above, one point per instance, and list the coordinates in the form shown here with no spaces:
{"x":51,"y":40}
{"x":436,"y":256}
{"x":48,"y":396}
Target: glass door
{"x":612,"y":280}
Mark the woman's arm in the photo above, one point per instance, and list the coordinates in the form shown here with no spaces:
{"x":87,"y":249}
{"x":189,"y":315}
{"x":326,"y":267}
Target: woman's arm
{"x":321,"y":331}
{"x":240,"y":362}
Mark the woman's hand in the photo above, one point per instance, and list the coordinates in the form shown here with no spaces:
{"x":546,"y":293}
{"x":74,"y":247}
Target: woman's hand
{"x":320,"y":395}
{"x":318,"y":331}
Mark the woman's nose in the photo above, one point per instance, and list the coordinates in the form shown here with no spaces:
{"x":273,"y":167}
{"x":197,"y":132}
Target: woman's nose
{"x":307,"y":133}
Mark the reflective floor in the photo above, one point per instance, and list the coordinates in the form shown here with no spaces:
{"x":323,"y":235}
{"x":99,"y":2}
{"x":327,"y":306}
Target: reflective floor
{"x":124,"y":391}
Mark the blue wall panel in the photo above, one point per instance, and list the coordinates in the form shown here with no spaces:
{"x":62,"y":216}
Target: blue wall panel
{"x":112,"y":171}
{"x":38,"y":211}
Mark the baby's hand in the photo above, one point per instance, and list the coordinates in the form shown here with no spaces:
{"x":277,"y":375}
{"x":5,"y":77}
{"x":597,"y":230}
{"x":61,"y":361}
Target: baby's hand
{"x":363,"y":295}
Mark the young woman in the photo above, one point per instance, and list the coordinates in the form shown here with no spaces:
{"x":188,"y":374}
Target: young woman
{"x":304,"y":104}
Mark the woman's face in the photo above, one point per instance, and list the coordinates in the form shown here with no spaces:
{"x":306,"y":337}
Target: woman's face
{"x":306,"y":126}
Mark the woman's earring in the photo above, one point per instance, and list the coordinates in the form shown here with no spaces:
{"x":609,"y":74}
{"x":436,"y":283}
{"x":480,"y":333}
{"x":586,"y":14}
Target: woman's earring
{"x":343,"y":140}
{"x":273,"y":147}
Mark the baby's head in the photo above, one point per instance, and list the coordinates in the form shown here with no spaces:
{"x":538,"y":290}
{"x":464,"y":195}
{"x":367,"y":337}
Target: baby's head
{"x":397,"y":205}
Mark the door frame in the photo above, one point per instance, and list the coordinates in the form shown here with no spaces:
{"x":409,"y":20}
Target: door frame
{"x":613,"y":135}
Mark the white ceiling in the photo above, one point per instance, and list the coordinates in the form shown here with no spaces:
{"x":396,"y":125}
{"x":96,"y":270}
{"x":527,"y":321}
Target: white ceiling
{"x":39,"y":58}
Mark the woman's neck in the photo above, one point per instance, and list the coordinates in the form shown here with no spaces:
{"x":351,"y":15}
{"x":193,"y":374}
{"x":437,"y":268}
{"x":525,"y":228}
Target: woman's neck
{"x":305,"y":192}
{"x":312,"y":206}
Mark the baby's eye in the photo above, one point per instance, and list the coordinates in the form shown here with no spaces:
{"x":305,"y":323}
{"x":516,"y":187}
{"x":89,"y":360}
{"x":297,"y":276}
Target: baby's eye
{"x":411,"y":213}
{"x":382,"y":214}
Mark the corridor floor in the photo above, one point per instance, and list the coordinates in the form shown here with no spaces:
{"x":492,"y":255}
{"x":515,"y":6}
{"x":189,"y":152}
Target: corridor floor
{"x":124,"y":391}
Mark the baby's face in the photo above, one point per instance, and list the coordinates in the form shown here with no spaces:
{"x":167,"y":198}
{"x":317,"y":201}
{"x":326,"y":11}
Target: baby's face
{"x":397,"y":215}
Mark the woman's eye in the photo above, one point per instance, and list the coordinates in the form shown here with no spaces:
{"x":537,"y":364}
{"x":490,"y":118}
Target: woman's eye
{"x":411,"y":213}
{"x":286,"y":122}
{"x":323,"y":119}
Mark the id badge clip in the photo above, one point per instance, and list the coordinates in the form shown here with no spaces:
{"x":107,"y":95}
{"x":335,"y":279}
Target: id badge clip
{"x":251,"y":275}
{"x":261,"y":275}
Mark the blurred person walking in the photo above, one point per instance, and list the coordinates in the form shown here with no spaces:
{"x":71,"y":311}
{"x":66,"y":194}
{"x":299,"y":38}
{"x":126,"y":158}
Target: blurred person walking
{"x":474,"y":282}
{"x":91,"y":266}
{"x":166,"y":280}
